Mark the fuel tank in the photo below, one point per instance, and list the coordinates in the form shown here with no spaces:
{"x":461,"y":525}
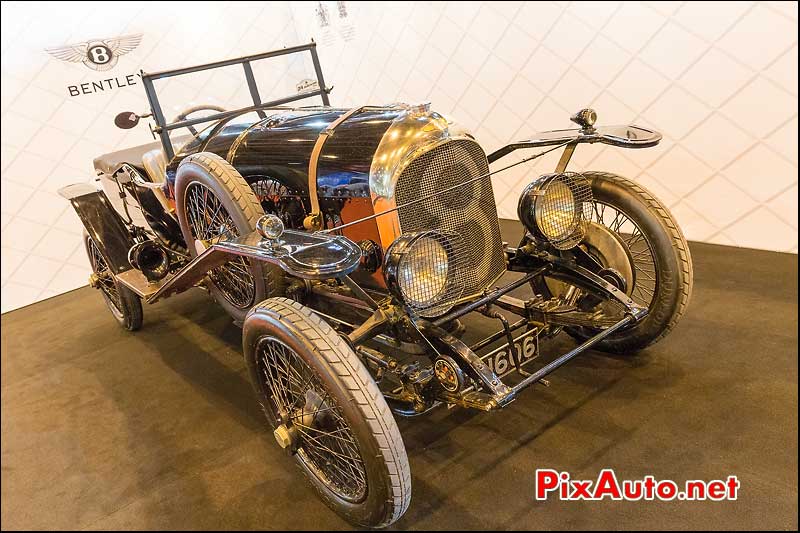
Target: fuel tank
{"x":388,"y":161}
{"x":279,"y":146}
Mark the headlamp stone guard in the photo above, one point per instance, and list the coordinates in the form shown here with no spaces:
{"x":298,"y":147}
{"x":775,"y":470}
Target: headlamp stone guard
{"x":453,"y":287}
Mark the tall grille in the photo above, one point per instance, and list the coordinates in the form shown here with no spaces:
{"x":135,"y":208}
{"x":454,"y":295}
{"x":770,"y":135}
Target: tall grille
{"x":468,"y":211}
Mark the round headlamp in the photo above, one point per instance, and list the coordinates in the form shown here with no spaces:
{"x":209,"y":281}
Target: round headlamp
{"x":270,"y":227}
{"x":422,"y":269}
{"x":556,"y":208}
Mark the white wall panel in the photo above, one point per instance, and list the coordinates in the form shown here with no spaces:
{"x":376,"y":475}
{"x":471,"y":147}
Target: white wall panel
{"x":49,"y":137}
{"x":718,"y":78}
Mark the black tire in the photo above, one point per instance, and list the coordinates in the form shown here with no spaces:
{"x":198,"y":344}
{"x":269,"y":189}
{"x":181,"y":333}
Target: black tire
{"x":124,"y":304}
{"x":673,"y":262}
{"x":339,"y":376}
{"x":240,"y":283}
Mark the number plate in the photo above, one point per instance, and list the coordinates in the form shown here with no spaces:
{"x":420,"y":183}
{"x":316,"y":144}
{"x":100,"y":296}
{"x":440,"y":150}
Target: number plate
{"x":502,"y":363}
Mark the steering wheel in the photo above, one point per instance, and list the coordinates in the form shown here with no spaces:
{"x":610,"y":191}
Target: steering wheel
{"x":202,"y":107}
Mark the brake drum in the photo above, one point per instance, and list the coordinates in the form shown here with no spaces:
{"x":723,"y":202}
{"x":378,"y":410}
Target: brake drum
{"x":610,"y":250}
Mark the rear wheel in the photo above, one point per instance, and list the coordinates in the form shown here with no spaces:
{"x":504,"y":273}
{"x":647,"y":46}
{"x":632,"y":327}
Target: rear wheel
{"x":124,"y":304}
{"x":327,"y":412}
{"x":214,"y":202}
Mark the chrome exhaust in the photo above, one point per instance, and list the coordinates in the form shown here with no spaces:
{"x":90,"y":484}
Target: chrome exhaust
{"x":151,"y":258}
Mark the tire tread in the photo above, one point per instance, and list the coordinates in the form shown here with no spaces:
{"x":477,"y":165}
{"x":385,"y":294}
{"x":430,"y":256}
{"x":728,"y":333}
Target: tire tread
{"x":246,"y":200}
{"x":676,"y":235}
{"x":364,"y":392}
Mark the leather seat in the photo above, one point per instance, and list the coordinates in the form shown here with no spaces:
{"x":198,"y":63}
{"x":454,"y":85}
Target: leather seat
{"x":149,"y":156}
{"x":110,"y":162}
{"x":155,"y":164}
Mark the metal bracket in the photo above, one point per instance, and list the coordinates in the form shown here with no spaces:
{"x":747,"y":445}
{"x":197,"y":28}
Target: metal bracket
{"x":458,"y":348}
{"x":566,"y":155}
{"x":378,"y":322}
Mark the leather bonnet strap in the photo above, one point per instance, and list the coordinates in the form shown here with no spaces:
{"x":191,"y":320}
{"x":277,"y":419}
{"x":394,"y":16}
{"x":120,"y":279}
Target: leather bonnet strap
{"x":314,"y":219}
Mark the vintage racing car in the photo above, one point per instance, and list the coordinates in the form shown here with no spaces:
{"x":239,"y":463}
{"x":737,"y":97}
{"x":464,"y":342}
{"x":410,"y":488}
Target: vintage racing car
{"x":348,"y":243}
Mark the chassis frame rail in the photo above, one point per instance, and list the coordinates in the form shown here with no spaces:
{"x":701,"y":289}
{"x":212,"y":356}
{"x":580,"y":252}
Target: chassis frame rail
{"x":494,"y":393}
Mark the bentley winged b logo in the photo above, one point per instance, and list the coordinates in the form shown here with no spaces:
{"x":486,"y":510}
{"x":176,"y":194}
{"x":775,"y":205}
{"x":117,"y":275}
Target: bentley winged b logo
{"x":97,"y":54}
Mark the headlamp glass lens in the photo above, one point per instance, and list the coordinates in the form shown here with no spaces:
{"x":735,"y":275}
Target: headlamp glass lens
{"x":422,"y":273}
{"x":556,"y":213}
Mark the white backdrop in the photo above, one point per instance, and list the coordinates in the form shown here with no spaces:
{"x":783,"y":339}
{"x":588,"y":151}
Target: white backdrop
{"x":719,"y":79}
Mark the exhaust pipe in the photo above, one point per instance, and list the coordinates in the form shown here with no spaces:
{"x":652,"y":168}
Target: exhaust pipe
{"x":151,"y":258}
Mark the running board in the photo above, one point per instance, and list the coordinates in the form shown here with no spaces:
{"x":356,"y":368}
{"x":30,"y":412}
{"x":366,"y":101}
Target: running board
{"x":193,"y":272}
{"x":301,"y":254}
{"x":138,"y":283}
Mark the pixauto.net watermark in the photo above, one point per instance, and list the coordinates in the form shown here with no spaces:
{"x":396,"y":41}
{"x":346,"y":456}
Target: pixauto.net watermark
{"x":550,"y":483}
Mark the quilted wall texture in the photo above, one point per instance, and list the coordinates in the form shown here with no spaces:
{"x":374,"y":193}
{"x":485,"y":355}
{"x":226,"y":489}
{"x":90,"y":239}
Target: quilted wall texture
{"x":49,"y":138}
{"x":718,"y":79}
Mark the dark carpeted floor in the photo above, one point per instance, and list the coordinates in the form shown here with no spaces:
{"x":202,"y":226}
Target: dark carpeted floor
{"x":104,"y":429}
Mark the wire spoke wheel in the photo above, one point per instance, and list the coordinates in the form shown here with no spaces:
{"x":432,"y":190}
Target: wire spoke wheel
{"x":105,"y":278}
{"x":327,"y":413}
{"x":280,"y":200}
{"x":209,"y":222}
{"x":639,"y":245}
{"x":322,"y":438}
{"x":645,"y":282}
{"x":124,"y":304}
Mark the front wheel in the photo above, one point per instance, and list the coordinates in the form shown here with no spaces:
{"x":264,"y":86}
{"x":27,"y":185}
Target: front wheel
{"x":654,"y":262}
{"x":214,"y":202}
{"x":327,"y":412}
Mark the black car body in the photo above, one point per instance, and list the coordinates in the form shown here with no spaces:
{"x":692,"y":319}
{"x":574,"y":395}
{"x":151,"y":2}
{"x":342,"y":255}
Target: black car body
{"x":379,"y":225}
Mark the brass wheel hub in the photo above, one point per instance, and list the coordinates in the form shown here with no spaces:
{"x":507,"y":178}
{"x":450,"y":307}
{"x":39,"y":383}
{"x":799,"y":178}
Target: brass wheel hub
{"x":285,"y":436}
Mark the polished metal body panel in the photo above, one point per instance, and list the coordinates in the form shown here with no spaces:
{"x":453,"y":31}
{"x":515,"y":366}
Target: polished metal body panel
{"x":312,"y":256}
{"x":373,"y":161}
{"x":279,"y":146}
{"x":300,"y":253}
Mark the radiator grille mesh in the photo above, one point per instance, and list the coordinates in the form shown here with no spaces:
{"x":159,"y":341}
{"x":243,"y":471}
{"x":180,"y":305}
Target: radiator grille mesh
{"x":468,"y":211}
